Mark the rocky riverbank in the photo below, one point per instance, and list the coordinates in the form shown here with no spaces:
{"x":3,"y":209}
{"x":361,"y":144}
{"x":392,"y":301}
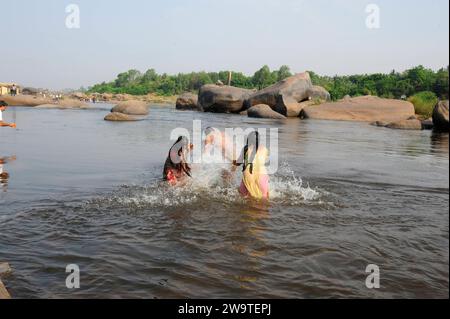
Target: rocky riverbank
{"x":81,"y":100}
{"x":293,"y":97}
{"x":297,"y":97}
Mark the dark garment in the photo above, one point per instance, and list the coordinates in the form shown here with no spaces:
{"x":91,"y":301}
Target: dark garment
{"x":178,"y":170}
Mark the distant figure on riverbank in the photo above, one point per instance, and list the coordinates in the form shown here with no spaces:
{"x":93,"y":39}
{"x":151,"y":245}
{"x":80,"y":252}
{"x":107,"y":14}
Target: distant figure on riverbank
{"x":176,"y":168}
{"x":13,"y":90}
{"x":3,"y":107}
{"x":255,"y":180}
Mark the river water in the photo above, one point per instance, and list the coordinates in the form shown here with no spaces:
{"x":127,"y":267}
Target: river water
{"x":346,"y":195}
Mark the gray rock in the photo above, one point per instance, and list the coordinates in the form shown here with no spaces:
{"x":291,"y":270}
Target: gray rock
{"x":187,"y":101}
{"x":222,"y":99}
{"x":427,"y":124}
{"x":319,"y":93}
{"x":380,"y":123}
{"x":284,"y":96}
{"x":440,"y":117}
{"x":120,"y":117}
{"x":131,"y":107}
{"x":406,"y":125}
{"x":264,"y":111}
{"x":363,"y":109}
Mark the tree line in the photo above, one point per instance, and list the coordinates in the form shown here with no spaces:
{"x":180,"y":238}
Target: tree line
{"x":393,"y":85}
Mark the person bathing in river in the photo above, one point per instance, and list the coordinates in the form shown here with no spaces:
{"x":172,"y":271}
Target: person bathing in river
{"x":214,"y":137}
{"x":220,"y":141}
{"x":3,"y":107}
{"x":255,"y":180}
{"x":176,"y":168}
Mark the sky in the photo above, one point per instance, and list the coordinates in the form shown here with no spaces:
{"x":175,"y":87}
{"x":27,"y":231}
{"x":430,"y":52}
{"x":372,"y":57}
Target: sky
{"x":326,"y":36}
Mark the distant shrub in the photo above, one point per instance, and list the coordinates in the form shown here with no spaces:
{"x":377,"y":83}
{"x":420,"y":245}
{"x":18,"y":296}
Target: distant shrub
{"x":424,"y":103}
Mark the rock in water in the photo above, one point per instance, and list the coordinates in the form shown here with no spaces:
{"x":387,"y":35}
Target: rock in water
{"x":380,"y":123}
{"x":187,"y":101}
{"x":119,"y":117}
{"x":131,"y":107}
{"x":5,"y":268}
{"x":406,"y":125}
{"x":264,"y":111}
{"x":427,"y":124}
{"x":319,"y":93}
{"x":222,"y":99}
{"x":440,"y":117}
{"x":363,"y":109}
{"x":284,"y":97}
{"x":3,"y":292}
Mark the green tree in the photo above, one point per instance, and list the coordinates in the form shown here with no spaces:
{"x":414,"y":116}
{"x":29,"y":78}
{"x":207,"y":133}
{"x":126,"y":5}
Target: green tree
{"x":283,"y":73}
{"x":127,"y":78}
{"x":262,"y":77}
{"x":392,"y":85}
{"x":441,"y":85}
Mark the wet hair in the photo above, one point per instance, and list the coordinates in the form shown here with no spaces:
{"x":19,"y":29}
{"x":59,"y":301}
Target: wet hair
{"x":252,"y":140}
{"x":4,"y":176}
{"x":209,"y":130}
{"x":183,"y":144}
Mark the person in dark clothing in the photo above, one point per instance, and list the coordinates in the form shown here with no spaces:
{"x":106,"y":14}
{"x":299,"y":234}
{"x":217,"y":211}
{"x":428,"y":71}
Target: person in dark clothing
{"x":176,"y":168}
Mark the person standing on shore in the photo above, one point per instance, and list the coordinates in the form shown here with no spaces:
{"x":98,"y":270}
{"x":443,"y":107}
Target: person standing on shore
{"x":3,"y":106}
{"x":13,"y":90}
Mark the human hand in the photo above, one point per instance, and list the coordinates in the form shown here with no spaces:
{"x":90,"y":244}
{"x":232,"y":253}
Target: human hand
{"x":13,"y":125}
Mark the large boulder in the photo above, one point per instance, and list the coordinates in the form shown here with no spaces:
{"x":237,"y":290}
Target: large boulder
{"x":363,"y":109}
{"x":264,"y":111}
{"x":440,"y":117}
{"x":295,"y":109}
{"x":132,"y":107}
{"x":119,"y":117}
{"x":222,"y":99}
{"x":319,"y":93}
{"x":284,"y":96}
{"x":187,"y":101}
{"x":72,"y":104}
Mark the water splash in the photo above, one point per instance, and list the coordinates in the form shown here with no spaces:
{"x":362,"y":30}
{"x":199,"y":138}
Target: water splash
{"x":212,"y":184}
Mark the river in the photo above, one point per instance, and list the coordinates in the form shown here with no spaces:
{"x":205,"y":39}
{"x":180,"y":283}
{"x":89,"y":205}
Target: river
{"x":346,"y":195}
